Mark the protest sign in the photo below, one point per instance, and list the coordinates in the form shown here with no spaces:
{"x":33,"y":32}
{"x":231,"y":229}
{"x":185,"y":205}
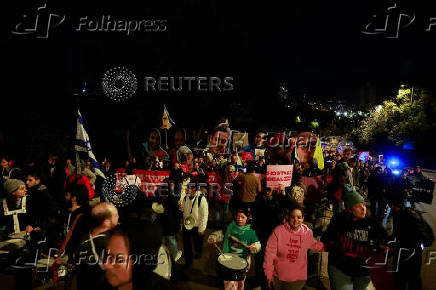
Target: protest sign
{"x":277,"y":175}
{"x":364,"y":155}
{"x":150,"y":179}
{"x":259,"y":153}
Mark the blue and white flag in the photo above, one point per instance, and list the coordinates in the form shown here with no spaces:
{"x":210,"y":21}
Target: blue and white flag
{"x":82,"y":144}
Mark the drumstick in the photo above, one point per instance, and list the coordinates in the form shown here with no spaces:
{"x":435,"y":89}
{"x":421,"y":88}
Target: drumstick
{"x":219,"y":249}
{"x":238,"y":241}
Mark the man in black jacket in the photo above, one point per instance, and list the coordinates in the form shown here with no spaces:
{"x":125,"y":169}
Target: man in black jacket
{"x":44,"y":212}
{"x":409,"y":232}
{"x":377,"y":193}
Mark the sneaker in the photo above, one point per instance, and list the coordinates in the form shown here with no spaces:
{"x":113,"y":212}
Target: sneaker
{"x":178,"y":256}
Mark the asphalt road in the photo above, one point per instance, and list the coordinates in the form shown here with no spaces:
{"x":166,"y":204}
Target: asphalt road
{"x":428,"y":270}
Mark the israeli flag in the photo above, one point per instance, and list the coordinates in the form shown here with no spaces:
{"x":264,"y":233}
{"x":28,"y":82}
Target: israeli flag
{"x":82,"y":144}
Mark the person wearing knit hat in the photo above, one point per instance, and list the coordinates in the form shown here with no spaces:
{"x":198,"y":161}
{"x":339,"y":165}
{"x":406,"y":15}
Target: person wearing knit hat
{"x":351,"y":196}
{"x":14,"y":214}
{"x":11,"y":185}
{"x":350,"y":238}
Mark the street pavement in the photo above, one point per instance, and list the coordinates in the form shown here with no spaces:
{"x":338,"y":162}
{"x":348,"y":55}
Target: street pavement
{"x":428,"y":270}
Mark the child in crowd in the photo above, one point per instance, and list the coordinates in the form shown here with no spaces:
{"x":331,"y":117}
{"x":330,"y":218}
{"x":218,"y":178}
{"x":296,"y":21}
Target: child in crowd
{"x":239,"y":239}
{"x":285,"y":263}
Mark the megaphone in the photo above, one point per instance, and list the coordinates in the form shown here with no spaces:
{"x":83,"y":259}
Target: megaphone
{"x":189,"y":222}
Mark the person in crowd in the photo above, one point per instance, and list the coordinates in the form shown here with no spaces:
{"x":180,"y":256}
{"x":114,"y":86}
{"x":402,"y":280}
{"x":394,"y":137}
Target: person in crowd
{"x":69,"y":168}
{"x":53,"y":176}
{"x":176,"y":175}
{"x":151,"y":148}
{"x":87,"y":170}
{"x":418,"y":172}
{"x":77,"y":220}
{"x":9,"y":170}
{"x":170,"y":218}
{"x":267,"y":217}
{"x":335,"y":189}
{"x":108,"y":169}
{"x":213,"y":166}
{"x":133,"y":255}
{"x":298,"y":190}
{"x":347,"y":155}
{"x":349,"y":239}
{"x":15,"y":202}
{"x":285,"y":262}
{"x":408,"y":231}
{"x":377,"y":193}
{"x":90,"y":250}
{"x":245,"y":244}
{"x":259,"y":140}
{"x":260,"y":166}
{"x":179,"y":141}
{"x":222,"y":197}
{"x":404,"y":185}
{"x":195,"y":212}
{"x":43,"y":210}
{"x":353,"y":165}
{"x":250,"y":186}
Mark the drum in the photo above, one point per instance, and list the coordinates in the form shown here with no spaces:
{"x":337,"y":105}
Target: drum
{"x":163,"y":268}
{"x":230,"y":267}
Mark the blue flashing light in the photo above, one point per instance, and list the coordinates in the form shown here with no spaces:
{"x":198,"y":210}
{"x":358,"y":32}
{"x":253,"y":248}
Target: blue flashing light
{"x":396,"y":172}
{"x":394,"y":162}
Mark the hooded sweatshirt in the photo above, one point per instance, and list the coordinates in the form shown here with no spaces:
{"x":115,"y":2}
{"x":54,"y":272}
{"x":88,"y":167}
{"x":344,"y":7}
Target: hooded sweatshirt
{"x":286,"y":253}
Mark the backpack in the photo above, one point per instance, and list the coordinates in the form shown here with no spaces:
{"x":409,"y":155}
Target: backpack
{"x":425,"y":232}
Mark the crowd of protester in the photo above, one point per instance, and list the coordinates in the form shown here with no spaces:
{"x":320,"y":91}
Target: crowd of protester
{"x":270,"y":227}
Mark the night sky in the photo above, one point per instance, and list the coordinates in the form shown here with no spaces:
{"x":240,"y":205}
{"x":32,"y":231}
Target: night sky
{"x":316,"y":48}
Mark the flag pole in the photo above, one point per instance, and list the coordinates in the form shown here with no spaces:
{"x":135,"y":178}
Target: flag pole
{"x":78,"y":165}
{"x":166,"y":139}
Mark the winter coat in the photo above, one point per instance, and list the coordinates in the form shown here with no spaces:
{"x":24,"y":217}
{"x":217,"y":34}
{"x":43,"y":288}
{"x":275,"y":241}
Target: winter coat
{"x":350,"y":243}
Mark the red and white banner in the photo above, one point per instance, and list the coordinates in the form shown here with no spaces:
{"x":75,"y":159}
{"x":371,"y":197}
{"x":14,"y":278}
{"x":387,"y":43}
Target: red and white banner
{"x":149,"y":180}
{"x":277,"y":175}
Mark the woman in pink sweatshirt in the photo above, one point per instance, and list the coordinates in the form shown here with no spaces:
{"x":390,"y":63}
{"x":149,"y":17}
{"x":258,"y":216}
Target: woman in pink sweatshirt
{"x":285,"y":262}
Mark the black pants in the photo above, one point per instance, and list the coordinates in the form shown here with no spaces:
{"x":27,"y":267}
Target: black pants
{"x":409,"y":271}
{"x":191,"y":237}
